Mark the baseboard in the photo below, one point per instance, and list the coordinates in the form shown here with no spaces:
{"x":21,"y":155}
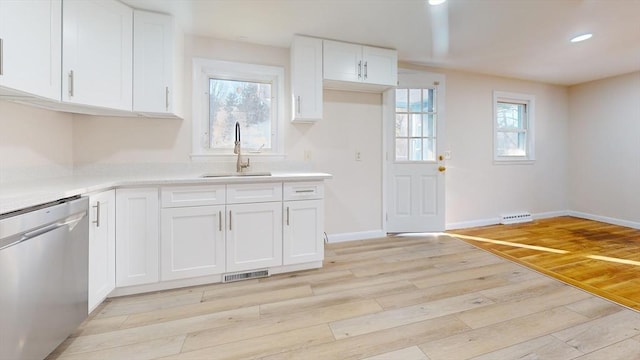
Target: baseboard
{"x":496,"y":221}
{"x":361,"y":235}
{"x":605,"y":219}
{"x":472,"y":223}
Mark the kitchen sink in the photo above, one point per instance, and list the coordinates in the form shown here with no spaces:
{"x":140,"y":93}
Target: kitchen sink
{"x":215,"y":175}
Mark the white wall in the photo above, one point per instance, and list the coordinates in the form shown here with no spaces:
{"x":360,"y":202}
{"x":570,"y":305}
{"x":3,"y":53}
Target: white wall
{"x":34,"y":143}
{"x":604,"y":147}
{"x":479,"y":191}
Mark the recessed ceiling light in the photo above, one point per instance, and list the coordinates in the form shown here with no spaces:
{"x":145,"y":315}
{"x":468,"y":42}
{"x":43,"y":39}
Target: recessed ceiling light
{"x":436,"y":2}
{"x":582,"y":37}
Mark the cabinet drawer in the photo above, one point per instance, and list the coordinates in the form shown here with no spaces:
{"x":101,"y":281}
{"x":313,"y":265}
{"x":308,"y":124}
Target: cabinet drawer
{"x":303,"y":190}
{"x":181,"y":196}
{"x":251,"y":193}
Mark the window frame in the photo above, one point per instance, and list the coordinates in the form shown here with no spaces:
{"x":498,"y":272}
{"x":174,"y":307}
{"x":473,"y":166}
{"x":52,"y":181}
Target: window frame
{"x":435,"y":113}
{"x":203,"y":70}
{"x":520,"y":99}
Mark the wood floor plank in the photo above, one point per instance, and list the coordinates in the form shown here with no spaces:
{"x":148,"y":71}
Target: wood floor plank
{"x":624,"y":350}
{"x":545,"y":347}
{"x":601,"y":332}
{"x":153,"y":349}
{"x":359,"y":325}
{"x":491,"y":338}
{"x":410,"y":353}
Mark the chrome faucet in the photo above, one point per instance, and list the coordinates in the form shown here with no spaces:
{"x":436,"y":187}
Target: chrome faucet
{"x":236,"y":150}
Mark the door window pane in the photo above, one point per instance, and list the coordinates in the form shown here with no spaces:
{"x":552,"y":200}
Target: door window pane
{"x":402,"y":126}
{"x":415,"y":125}
{"x":402,"y":100}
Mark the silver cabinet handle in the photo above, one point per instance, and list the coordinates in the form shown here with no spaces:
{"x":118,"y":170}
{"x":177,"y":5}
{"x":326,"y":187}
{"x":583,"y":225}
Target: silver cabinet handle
{"x":305,"y":191}
{"x":299,"y":108}
{"x":366,"y":72}
{"x":1,"y":56}
{"x":287,"y":216}
{"x":230,"y":220}
{"x":71,"y":83}
{"x":219,"y":220}
{"x":97,"y":220}
{"x":166,"y":97}
{"x":360,"y":69}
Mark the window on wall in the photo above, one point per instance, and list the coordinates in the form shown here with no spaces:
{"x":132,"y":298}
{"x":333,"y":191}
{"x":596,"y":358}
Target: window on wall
{"x":415,"y":138}
{"x":229,"y":92}
{"x":513,"y":127}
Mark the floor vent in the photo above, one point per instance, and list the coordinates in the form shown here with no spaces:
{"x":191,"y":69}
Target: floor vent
{"x":515,"y":218}
{"x":245,"y":275}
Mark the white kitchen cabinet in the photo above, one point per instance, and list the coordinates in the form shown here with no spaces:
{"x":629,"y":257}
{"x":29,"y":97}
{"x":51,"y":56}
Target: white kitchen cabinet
{"x":30,"y":48}
{"x":306,"y":79}
{"x":192,"y":231}
{"x":303,"y":222}
{"x":192,"y":242}
{"x":154,"y":64}
{"x":254,"y":236}
{"x":358,"y":67}
{"x":102,"y":247}
{"x":97,"y":60}
{"x":137,"y":239}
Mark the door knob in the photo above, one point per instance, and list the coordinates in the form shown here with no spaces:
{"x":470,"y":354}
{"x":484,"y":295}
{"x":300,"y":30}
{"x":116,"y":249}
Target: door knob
{"x":441,"y":168}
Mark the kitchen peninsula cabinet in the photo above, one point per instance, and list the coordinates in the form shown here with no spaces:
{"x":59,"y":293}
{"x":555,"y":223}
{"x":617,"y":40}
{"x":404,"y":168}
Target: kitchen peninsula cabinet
{"x":254,"y":232}
{"x":306,"y":79}
{"x":102,"y":246}
{"x":137,"y":239}
{"x":192,"y":236}
{"x":97,"y":69}
{"x":354,"y":66}
{"x":30,"y":48}
{"x":303,"y":223}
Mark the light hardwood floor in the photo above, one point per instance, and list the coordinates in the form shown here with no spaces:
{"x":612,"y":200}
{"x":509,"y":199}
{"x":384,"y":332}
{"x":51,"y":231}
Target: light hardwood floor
{"x":403,"y":297}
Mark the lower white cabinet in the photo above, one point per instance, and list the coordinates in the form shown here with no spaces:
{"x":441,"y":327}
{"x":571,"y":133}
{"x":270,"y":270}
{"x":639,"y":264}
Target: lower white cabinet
{"x":302,"y":231}
{"x":137,"y":241}
{"x":102,"y":247}
{"x":192,"y":242}
{"x":254,"y":236}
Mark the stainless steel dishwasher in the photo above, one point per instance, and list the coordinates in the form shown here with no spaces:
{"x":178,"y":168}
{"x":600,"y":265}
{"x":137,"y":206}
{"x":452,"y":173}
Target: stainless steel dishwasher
{"x":43,"y":277}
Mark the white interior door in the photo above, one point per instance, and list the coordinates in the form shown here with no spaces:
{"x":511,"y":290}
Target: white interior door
{"x":415,"y":171}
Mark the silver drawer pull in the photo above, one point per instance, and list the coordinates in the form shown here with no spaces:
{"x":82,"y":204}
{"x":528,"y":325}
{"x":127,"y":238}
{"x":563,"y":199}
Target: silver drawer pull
{"x":305,"y":191}
{"x":97,"y":220}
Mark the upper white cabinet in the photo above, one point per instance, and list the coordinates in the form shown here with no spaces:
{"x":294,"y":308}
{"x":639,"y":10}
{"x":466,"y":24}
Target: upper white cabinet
{"x":155,"y":85}
{"x":358,"y":67}
{"x":306,"y":79}
{"x":30,"y":49}
{"x":137,"y":239}
{"x":97,"y":53}
{"x":102,"y":247}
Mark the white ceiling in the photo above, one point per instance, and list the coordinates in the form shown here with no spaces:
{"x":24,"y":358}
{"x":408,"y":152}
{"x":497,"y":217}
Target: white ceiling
{"x":527,"y":39}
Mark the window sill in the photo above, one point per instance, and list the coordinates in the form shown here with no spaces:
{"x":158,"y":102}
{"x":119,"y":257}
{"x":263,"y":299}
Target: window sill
{"x":514,"y":162}
{"x":232,"y":157}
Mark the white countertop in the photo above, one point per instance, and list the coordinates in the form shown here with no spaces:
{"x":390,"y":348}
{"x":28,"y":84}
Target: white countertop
{"x":20,"y":195}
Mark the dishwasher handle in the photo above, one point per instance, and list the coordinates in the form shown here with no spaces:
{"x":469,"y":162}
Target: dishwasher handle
{"x":70,"y":221}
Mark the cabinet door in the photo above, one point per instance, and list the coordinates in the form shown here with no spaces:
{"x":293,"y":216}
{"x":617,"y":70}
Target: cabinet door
{"x":192,"y":242}
{"x":342,"y":61}
{"x":306,"y":79}
{"x":102,"y":247}
{"x":137,"y":216}
{"x":97,"y":53}
{"x":380,"y":66}
{"x":254,"y":236}
{"x":152,"y":62}
{"x":302,"y":231}
{"x":30,"y":33}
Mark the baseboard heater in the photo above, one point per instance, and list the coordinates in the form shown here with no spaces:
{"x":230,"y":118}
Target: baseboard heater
{"x":245,"y":275}
{"x":516,"y":218}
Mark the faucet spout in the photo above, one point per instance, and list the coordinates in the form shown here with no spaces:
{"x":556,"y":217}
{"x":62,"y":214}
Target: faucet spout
{"x":240,"y":165}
